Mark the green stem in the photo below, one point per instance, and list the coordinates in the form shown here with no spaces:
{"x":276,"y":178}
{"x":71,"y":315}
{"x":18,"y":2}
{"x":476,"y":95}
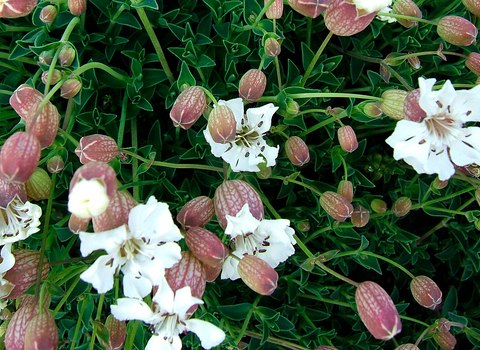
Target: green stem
{"x":260,"y":15}
{"x":247,"y":320}
{"x":17,"y":29}
{"x":79,"y":323}
{"x":68,"y":114}
{"x":123,"y":120}
{"x":69,"y":29}
{"x":69,"y":137}
{"x":131,"y":335}
{"x":413,"y":320}
{"x":273,"y":340}
{"x":279,"y":75}
{"x":67,"y":294}
{"x":334,"y":95}
{"x":92,"y":65}
{"x":136,"y":190}
{"x":97,"y":318}
{"x":411,"y":18}
{"x":19,"y":59}
{"x":326,"y":300}
{"x":308,"y":39}
{"x":210,"y":95}
{"x":314,"y":190}
{"x":114,"y":18}
{"x":424,"y":333}
{"x":315,"y":59}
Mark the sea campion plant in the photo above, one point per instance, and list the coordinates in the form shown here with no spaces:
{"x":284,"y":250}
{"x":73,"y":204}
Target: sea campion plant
{"x":261,"y":174}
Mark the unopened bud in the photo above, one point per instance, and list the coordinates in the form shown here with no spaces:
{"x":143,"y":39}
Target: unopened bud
{"x":222,"y":124}
{"x":347,"y":139}
{"x":39,"y":185}
{"x":101,"y":148}
{"x":15,"y":334}
{"x":377,"y":311}
{"x":360,"y":216}
{"x":76,"y":224}
{"x":117,"y":333}
{"x":297,"y":151}
{"x":411,"y":107}
{"x":414,"y":62}
{"x":309,"y":8}
{"x":116,"y":213}
{"x":56,"y":76}
{"x":196,"y":212}
{"x":401,"y":207}
{"x":43,"y":123}
{"x":19,"y":157}
{"x":45,"y":58}
{"x":16,"y":9}
{"x":406,"y":8}
{"x":24,"y":98}
{"x":48,"y":14}
{"x":66,"y":56}
{"x":258,"y":274}
{"x":42,"y":332}
{"x":392,"y":104}
{"x":426,"y":292}
{"x":439,"y":184}
{"x":336,"y":206}
{"x":373,"y":110}
{"x":343,"y":18}
{"x":473,"y":62}
{"x":265,"y":171}
{"x":275,"y":11}
{"x":473,"y":6}
{"x":407,"y":347}
{"x":77,"y":7}
{"x":70,"y":88}
{"x":457,"y":30}
{"x":252,"y":85}
{"x":378,"y":206}
{"x":444,"y":325}
{"x":55,"y":164}
{"x":345,"y":188}
{"x":206,"y":246}
{"x":188,"y":107}
{"x":303,"y":226}
{"x":385,"y":74}
{"x":272,"y":47}
{"x":292,"y":106}
{"x":445,"y":340}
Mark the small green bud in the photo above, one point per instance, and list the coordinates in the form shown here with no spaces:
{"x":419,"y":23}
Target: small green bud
{"x":378,"y":206}
{"x":48,"y":14}
{"x":402,"y":206}
{"x":66,"y":56}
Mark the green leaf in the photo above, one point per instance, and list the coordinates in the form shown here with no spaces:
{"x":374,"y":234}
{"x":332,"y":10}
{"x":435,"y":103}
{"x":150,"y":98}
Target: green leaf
{"x":370,"y":262}
{"x":128,"y":19}
{"x":151,"y":4}
{"x":450,"y":303}
{"x":185,"y":77}
{"x":236,"y":312}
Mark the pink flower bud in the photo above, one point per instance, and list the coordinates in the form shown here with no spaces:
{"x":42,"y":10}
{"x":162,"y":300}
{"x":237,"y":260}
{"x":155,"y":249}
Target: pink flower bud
{"x":101,"y":148}
{"x":45,"y":58}
{"x":309,"y":8}
{"x":393,"y":102}
{"x":252,"y":85}
{"x":258,"y":274}
{"x":297,"y":151}
{"x":473,"y":62}
{"x":272,"y":47}
{"x":275,"y":10}
{"x":24,"y":98}
{"x":188,"y":107}
{"x":77,"y":7}
{"x":378,"y":206}
{"x":48,"y":14}
{"x":411,"y":107}
{"x":407,"y":347}
{"x":406,"y":8}
{"x":66,"y":56}
{"x":42,"y":332}
{"x":206,"y":246}
{"x":117,"y":333}
{"x":56,"y":76}
{"x":473,"y":6}
{"x":414,"y":62}
{"x":196,"y":212}
{"x":457,"y":30}
{"x":336,"y":206}
{"x":17,"y":8}
{"x":347,"y":139}
{"x":212,"y":272}
{"x":444,"y":325}
{"x":8,"y":191}
{"x":39,"y":185}
{"x":16,"y":329}
{"x":401,"y":207}
{"x":377,"y":311}
{"x":360,"y":216}
{"x":231,"y":196}
{"x":342,"y":18}
{"x":70,"y":88}
{"x":222,"y":124}
{"x":445,"y":340}
{"x":76,"y":224}
{"x":55,"y":164}
{"x":116,"y":213}
{"x":345,"y":188}
{"x":43,"y":124}
{"x":19,"y":157}
{"x":426,"y":292}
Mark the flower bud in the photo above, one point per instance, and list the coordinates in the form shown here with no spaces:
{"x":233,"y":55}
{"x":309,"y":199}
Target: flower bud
{"x":222,"y":124}
{"x":360,"y":216}
{"x":372,"y":109}
{"x":116,"y":213}
{"x":444,"y":325}
{"x":426,"y":292}
{"x":55,"y":164}
{"x":252,"y":85}
{"x":336,"y":206}
{"x":101,"y":148}
{"x":265,"y":171}
{"x":439,"y":184}
{"x":378,"y":206}
{"x":407,"y":347}
{"x":385,"y":74}
{"x":212,"y":272}
{"x":347,"y":139}
{"x":196,"y":212}
{"x":16,"y":9}
{"x":24,"y":98}
{"x":457,"y":30}
{"x":392,"y":104}
{"x":188,"y":107}
{"x":446,"y":340}
{"x":406,"y":8}
{"x":411,"y":107}
{"x":414,"y":62}
{"x":377,"y":311}
{"x":48,"y":14}
{"x":473,"y":62}
{"x":19,"y":157}
{"x":15,"y":334}
{"x":70,"y":88}
{"x":42,"y":332}
{"x":292,"y":106}
{"x":77,"y":7}
{"x":24,"y":273}
{"x":297,"y":151}
{"x":342,"y":18}
{"x":258,"y":274}
{"x":231,"y":196}
{"x":309,"y":8}
{"x":275,"y":11}
{"x":76,"y":224}
{"x":272,"y":47}
{"x":303,"y":226}
{"x":56,"y":76}
{"x":401,"y":207}
{"x":345,"y":188}
{"x":45,"y":58}
{"x":66,"y":56}
{"x":473,"y":6}
{"x":39,"y":185}
{"x":117,"y":333}
{"x":43,"y":124}
{"x":206,"y":246}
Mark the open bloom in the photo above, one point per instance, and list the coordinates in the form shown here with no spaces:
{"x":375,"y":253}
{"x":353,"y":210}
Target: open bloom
{"x":142,"y":250}
{"x":270,"y":240}
{"x":8,"y":260}
{"x":368,"y":6}
{"x":248,"y":149}
{"x":168,"y":317}
{"x":18,"y":220}
{"x":440,"y":140}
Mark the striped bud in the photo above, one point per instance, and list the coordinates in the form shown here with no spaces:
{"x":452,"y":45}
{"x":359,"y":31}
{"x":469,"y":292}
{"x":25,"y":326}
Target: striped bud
{"x":206,"y":246}
{"x":336,"y":206}
{"x":372,"y":109}
{"x":231,"y":196}
{"x":406,"y":8}
{"x":360,"y":216}
{"x":377,"y":311}
{"x":272,"y":47}
{"x":411,"y":107}
{"x":401,"y":207}
{"x":258,"y":274}
{"x":414,"y":62}
{"x":457,"y":30}
{"x":24,"y":98}
{"x":196,"y":212}
{"x":48,"y":14}
{"x":116,"y":213}
{"x":378,"y":206}
{"x":19,"y":157}
{"x":55,"y":164}
{"x":444,"y":325}
{"x":342,"y":18}
{"x":101,"y":148}
{"x":275,"y":11}
{"x":188,"y":107}
{"x":66,"y":56}
{"x":39,"y":185}
{"x":76,"y":224}
{"x":392,"y":104}
{"x":43,"y":123}
{"x":222,"y":124}
{"x":345,"y":188}
{"x":17,"y":8}
{"x":252,"y":85}
{"x":426,"y":292}
{"x":473,"y":6}
{"x":309,"y":8}
{"x":42,"y":332}
{"x":407,"y":347}
{"x":297,"y":151}
{"x":77,"y":7}
{"x":446,"y":340}
{"x":117,"y":333}
{"x":70,"y":88}
{"x":56,"y":76}
{"x":16,"y":329}
{"x":473,"y":62}
{"x":347,"y":139}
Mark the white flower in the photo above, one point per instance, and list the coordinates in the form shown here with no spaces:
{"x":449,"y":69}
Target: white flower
{"x":249,"y":148}
{"x":270,"y":240}
{"x":168,"y":316}
{"x":441,"y":139}
{"x":8,"y":260}
{"x":18,"y":220}
{"x":88,"y":198}
{"x":142,"y":250}
{"x":386,"y":18}
{"x":365,"y":7}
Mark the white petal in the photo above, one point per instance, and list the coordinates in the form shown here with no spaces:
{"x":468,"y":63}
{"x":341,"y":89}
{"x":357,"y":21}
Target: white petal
{"x":427,"y":101}
{"x":132,"y":309}
{"x":236,"y":105}
{"x":466,"y":150}
{"x":157,"y":342}
{"x":242,"y":223}
{"x":8,"y":259}
{"x":164,"y":297}
{"x":440,"y":163}
{"x":230,"y":269}
{"x":109,"y":241}
{"x":405,"y":130}
{"x":370,"y":6}
{"x":271,"y":153}
{"x":184,"y":301}
{"x":237,"y":160}
{"x":168,"y":254}
{"x":209,"y":334}
{"x":218,"y":149}
{"x":414,"y":148}
{"x":100,"y":274}
{"x":135,"y":285}
{"x":261,"y":117}
{"x":88,"y":198}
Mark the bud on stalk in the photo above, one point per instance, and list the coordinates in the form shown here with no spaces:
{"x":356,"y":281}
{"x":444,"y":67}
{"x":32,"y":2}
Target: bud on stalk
{"x":16,"y":9}
{"x":473,"y":62}
{"x":378,"y":206}
{"x":401,"y":207}
{"x":258,"y":274}
{"x":457,"y":30}
{"x":76,"y":224}
{"x":406,"y":8}
{"x":446,"y":340}
{"x":411,"y":107}
{"x":39,"y":185}
{"x":77,"y":7}
{"x":188,"y":107}
{"x":19,"y":157}
{"x":345,"y":188}
{"x":96,"y":147}
{"x":297,"y":151}
{"x":275,"y":11}
{"x":272,"y":47}
{"x":48,"y":14}
{"x":377,"y":311}
{"x":206,"y":246}
{"x":372,"y":109}
{"x":24,"y":98}
{"x":407,"y":347}
{"x":66,"y":56}
{"x":43,"y":123}
{"x":309,"y":8}
{"x":116,"y":213}
{"x":222,"y":124}
{"x":347,"y":139}
{"x":56,"y":76}
{"x":360,"y":216}
{"x":426,"y":292}
{"x":444,"y":325}
{"x":42,"y":332}
{"x":117,"y":333}
{"x":70,"y":88}
{"x":393,"y":101}
{"x":55,"y":164}
{"x":336,"y":206}
{"x":252,"y":85}
{"x":196,"y":212}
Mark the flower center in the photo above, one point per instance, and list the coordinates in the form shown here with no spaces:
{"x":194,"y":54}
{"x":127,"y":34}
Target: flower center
{"x":250,"y":244}
{"x":17,"y":217}
{"x":246,"y":137}
{"x":167,"y":327}
{"x":443,"y":129}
